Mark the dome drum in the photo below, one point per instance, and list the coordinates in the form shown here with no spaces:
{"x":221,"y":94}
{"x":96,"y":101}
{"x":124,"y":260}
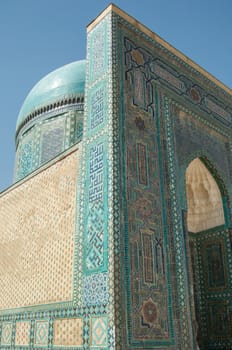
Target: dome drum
{"x":49,"y":111}
{"x":51,"y":118}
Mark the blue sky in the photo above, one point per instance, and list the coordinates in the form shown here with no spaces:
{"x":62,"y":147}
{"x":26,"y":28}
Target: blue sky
{"x":38,"y":36}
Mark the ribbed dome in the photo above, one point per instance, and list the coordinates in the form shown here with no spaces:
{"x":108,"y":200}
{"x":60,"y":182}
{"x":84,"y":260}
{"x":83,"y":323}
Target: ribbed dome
{"x":62,"y":83}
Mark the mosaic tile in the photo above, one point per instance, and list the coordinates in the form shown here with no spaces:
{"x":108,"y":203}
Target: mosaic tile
{"x":95,"y":185}
{"x":41,"y":333}
{"x":169,"y":77}
{"x":98,"y":109}
{"x":146,"y":258}
{"x":96,"y":166}
{"x":47,"y":139}
{"x":95,"y":289}
{"x":94,"y":251}
{"x":99,"y":329}
{"x":98,"y":63}
{"x":6,"y":333}
{"x":217,"y":109}
{"x":52,"y":139}
{"x":26,"y":152}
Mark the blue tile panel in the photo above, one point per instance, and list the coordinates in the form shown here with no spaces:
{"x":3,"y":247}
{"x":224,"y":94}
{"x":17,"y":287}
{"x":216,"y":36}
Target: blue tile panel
{"x":98,"y":105}
{"x":46,"y":140}
{"x":98,"y":62}
{"x":148,"y":289}
{"x":95,"y":289}
{"x":159,"y":97}
{"x":52,"y":141}
{"x":95,"y":230}
{"x":41,"y":333}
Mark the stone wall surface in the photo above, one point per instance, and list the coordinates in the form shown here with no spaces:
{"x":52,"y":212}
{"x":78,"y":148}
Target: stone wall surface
{"x":37,"y":221}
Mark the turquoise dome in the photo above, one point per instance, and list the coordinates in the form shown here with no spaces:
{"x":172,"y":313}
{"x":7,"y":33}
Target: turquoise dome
{"x":61,"y":83}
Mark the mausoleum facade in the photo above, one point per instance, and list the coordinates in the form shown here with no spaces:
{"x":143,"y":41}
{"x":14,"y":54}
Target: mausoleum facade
{"x":116,"y":233}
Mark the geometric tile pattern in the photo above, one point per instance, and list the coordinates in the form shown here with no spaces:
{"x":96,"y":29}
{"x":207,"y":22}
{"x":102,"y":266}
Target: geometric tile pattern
{"x":68,"y":332}
{"x":144,"y":227}
{"x":98,"y":110}
{"x":96,"y":202}
{"x":217,"y":109}
{"x":212,"y":287}
{"x":97,"y":185}
{"x":95,"y":236}
{"x":97,"y":139}
{"x":76,"y":131}
{"x":96,"y":166}
{"x":48,"y":138}
{"x":95,"y":289}
{"x":6,"y":333}
{"x":52,"y":135}
{"x":99,"y":328}
{"x":22,"y":336}
{"x":191,"y":129}
{"x":179,"y":242}
{"x":26,"y":157}
{"x":41,"y":333}
{"x":99,"y":53}
{"x":170,"y":78}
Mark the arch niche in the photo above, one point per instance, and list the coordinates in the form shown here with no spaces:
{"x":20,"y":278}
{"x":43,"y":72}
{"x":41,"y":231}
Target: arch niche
{"x":207,"y":241}
{"x":205,"y":205}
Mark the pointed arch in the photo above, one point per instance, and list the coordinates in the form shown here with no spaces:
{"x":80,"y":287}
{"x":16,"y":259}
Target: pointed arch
{"x":210,"y":164}
{"x":204,"y":198}
{"x":218,"y":176}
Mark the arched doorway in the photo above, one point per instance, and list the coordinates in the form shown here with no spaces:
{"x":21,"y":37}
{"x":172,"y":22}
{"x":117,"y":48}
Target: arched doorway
{"x":209,"y":255}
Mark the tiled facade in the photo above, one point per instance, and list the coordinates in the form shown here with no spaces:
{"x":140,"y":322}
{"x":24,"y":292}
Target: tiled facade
{"x":6,"y":335}
{"x":97,"y":254}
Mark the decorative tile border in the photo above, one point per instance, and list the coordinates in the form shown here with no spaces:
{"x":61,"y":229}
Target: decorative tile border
{"x":41,"y":333}
{"x":99,"y":332}
{"x":95,"y":228}
{"x":186,"y":339}
{"x":6,"y":336}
